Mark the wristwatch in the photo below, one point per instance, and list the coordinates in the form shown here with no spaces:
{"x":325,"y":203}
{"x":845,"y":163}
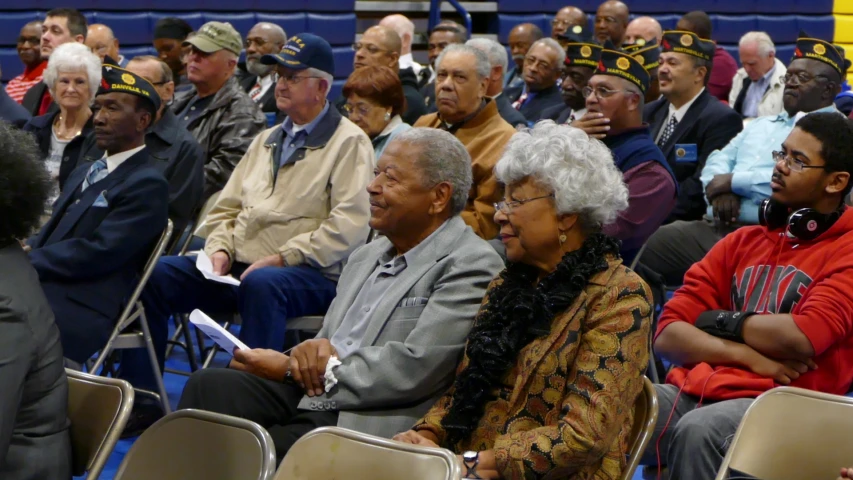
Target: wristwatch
{"x":470,"y":459}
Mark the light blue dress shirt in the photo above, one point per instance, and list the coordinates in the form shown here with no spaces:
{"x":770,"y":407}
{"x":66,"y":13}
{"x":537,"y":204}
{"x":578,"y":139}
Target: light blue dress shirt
{"x":749,"y":158}
{"x":755,"y":92}
{"x":294,"y":136}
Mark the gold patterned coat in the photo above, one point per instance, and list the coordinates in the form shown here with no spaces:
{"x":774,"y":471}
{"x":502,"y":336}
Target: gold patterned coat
{"x":567,"y":407}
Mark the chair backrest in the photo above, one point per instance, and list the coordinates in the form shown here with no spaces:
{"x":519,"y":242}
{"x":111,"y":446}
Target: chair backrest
{"x":200,"y":445}
{"x":146,"y":273}
{"x":98,"y":408}
{"x":790,"y":433}
{"x":645,"y":418}
{"x":201,"y":229}
{"x":333,"y":452}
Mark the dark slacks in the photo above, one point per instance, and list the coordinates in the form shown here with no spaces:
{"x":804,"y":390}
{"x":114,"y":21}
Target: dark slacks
{"x":674,"y":248}
{"x":265,"y":299}
{"x":270,"y":404}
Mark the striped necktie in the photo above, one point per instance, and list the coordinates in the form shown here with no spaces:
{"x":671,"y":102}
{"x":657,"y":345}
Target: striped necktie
{"x":97,"y":172}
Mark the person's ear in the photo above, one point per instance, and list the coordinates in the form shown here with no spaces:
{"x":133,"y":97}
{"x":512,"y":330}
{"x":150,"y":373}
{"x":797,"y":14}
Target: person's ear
{"x":396,"y":59}
{"x":169,"y":87}
{"x":566,"y":222}
{"x":80,"y":39}
{"x":441,"y":196}
{"x":837,"y":182}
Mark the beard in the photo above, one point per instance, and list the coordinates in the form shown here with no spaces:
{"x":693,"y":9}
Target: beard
{"x":255,"y":67}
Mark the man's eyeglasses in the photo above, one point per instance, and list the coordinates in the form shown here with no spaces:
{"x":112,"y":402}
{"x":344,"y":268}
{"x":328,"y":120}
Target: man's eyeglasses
{"x":792,"y":163}
{"x":802,"y":78}
{"x":291,"y":80}
{"x":371,"y":49}
{"x":506,"y":207}
{"x":601,"y":92}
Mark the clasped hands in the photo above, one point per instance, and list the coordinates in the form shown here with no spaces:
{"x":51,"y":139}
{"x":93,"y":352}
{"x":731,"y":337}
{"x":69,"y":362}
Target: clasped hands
{"x":222,"y":263}
{"x":725,"y":203}
{"x":306,"y":364}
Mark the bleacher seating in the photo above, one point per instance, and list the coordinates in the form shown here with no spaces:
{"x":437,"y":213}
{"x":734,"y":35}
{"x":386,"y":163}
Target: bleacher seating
{"x":333,"y":20}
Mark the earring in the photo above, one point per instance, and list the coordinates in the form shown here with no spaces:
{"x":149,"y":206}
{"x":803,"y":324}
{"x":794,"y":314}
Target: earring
{"x":387,"y":116}
{"x":562,"y":239}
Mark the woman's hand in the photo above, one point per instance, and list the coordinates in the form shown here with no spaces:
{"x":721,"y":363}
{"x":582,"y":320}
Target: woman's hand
{"x":417,"y":438}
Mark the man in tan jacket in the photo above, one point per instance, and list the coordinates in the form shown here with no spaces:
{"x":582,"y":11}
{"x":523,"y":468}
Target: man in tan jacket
{"x":461,"y":79}
{"x":293,"y":210}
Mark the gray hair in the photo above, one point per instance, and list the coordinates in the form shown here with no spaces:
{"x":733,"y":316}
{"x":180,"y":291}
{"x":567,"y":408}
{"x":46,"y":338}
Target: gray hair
{"x":164,"y":67}
{"x":481,"y":62}
{"x":73,"y":57}
{"x":494,"y":50}
{"x":577,"y":168}
{"x":554,"y":45}
{"x":322,"y":76}
{"x":442,"y":158}
{"x":761,"y":39}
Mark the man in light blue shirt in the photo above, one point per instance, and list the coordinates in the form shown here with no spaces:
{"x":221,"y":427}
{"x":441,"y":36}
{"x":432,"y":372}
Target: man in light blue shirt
{"x":737,"y":178}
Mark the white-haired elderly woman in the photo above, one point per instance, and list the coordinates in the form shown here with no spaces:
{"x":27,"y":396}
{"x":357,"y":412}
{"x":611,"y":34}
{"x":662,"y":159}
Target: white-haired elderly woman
{"x":556,"y":357}
{"x":72,"y":76}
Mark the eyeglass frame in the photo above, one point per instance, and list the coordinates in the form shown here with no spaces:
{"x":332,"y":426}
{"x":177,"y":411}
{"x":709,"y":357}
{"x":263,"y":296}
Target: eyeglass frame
{"x":499,"y":206}
{"x":356,"y":46}
{"x":587,"y":91}
{"x":788,"y":76}
{"x":779,"y":155}
{"x":362,"y":112}
{"x":291,"y":80}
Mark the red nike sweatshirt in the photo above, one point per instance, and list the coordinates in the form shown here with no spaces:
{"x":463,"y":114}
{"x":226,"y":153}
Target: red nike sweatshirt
{"x":754,"y":269}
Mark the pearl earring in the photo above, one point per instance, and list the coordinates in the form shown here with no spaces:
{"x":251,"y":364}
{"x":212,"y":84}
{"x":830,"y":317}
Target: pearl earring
{"x":387,"y":116}
{"x":562,"y":239}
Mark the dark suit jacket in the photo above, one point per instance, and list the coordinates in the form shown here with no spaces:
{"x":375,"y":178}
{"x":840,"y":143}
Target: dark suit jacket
{"x":89,"y":254}
{"x":32,"y":100}
{"x":267,"y":102}
{"x":415,"y":107}
{"x":42,"y":126}
{"x":558,"y":113}
{"x":709,"y":125}
{"x":511,"y":115}
{"x":532,"y":110}
{"x":428,"y":92}
{"x":11,"y":111}
{"x":177,"y":155}
{"x":34,"y":441}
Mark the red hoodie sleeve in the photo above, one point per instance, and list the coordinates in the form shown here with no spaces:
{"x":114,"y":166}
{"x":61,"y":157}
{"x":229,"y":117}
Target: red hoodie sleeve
{"x":825,"y":314}
{"x":707,"y":286}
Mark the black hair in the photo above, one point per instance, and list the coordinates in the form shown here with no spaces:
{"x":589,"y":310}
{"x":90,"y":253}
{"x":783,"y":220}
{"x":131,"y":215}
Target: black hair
{"x":172,"y":27}
{"x":77,"y":23}
{"x":701,"y":23}
{"x":701,"y":62}
{"x":459,"y":31}
{"x":835,"y":134}
{"x":24,"y":184}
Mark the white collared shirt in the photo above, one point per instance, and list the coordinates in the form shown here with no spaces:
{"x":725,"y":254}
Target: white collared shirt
{"x":266,"y":83}
{"x":678,"y":112}
{"x":113,"y":161}
{"x":407,"y":61}
{"x":578,"y":114}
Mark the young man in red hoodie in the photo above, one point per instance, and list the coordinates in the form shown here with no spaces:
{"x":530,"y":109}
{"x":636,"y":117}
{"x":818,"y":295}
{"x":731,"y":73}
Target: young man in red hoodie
{"x":769,"y":305}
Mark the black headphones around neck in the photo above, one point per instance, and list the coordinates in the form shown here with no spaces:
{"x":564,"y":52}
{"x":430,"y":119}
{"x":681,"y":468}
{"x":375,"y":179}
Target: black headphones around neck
{"x":803,"y":224}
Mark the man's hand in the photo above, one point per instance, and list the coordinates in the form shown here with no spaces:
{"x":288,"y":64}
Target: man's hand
{"x":24,"y":246}
{"x":261,"y":362}
{"x":719,"y":185}
{"x":595,"y":124}
{"x":846,"y":473}
{"x":726,"y":208}
{"x":270,"y":261}
{"x":783,"y":372}
{"x":221,"y":263}
{"x":416,"y":438}
{"x":308,"y":364}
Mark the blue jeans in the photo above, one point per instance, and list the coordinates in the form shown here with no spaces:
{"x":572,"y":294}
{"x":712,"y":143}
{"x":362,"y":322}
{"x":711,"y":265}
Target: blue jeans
{"x":265,"y":299}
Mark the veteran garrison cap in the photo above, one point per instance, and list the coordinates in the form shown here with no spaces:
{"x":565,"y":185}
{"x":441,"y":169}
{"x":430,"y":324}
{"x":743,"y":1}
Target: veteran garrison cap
{"x":216,"y":36}
{"x":647,"y":53}
{"x":680,"y":41}
{"x":620,"y":64}
{"x":822,"y":51}
{"x":304,"y":50}
{"x":581,"y":49}
{"x":117,"y":79}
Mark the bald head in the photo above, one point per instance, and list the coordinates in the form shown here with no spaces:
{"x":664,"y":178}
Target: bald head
{"x":405,"y":30}
{"x":521,"y":38}
{"x":611,"y":20}
{"x":379,"y":46}
{"x":646,"y":28}
{"x":263,"y":39}
{"x":101,"y":40}
{"x":566,"y":18}
{"x":386,"y":37}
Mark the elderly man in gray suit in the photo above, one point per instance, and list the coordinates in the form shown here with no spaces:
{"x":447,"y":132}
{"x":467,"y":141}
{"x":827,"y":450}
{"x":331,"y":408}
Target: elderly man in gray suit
{"x":405,"y":303}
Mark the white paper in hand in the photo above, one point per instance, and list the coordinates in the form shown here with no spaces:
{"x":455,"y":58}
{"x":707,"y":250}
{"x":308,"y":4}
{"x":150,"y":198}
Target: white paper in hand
{"x":205,"y":266}
{"x":216,"y":332}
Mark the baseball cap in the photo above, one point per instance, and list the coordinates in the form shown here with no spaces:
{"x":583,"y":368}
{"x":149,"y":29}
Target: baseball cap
{"x":216,"y":36}
{"x":304,"y":50}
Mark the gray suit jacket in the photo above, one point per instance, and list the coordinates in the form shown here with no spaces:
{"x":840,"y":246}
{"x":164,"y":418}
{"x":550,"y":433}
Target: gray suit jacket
{"x":34,"y":436}
{"x":409,"y":354}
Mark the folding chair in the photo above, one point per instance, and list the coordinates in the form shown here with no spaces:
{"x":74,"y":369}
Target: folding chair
{"x":98,"y":408}
{"x":200,"y":445}
{"x":645,"y":418}
{"x":791,"y":433}
{"x":333,"y":452}
{"x":125,"y":337}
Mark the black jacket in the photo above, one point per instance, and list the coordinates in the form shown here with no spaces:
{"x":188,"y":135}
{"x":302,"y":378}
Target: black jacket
{"x":708,"y":125}
{"x":174,"y":152}
{"x":558,"y":113}
{"x":428,"y":92}
{"x":267,"y":102}
{"x":511,"y":115}
{"x":32,"y":100}
{"x":41,"y":127}
{"x":415,"y":107}
{"x":11,"y":111}
{"x":533,"y":109}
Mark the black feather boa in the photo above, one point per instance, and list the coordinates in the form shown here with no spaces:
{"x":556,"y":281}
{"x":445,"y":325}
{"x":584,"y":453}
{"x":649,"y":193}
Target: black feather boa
{"x":518,"y":312}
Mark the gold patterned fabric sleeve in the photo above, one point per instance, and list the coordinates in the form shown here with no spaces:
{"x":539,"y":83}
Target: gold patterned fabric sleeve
{"x":602,"y":386}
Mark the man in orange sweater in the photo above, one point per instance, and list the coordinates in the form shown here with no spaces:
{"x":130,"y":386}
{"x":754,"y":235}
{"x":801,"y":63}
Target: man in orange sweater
{"x":461,"y":80}
{"x":769,"y":305}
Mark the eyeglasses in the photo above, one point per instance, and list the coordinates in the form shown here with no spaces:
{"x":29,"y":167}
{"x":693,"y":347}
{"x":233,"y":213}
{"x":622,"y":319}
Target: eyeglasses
{"x":802,"y":78}
{"x":606,"y":20}
{"x":601,"y":92}
{"x":792,"y":163}
{"x":560,"y":23}
{"x":291,"y":80}
{"x":506,"y":207}
{"x":362,"y":110}
{"x":371,"y":49}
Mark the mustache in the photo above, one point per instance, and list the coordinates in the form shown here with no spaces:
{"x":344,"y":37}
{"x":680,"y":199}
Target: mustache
{"x":777,"y":178}
{"x":518,"y":57}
